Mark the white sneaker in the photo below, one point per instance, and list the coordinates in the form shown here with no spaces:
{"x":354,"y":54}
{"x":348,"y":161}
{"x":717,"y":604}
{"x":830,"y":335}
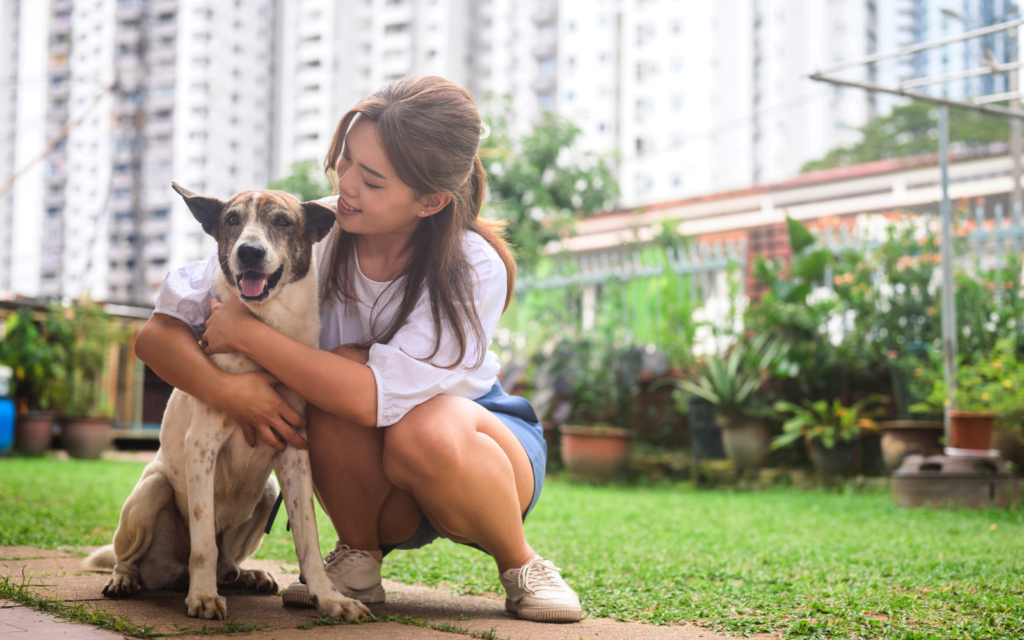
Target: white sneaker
{"x":535,"y":591}
{"x":354,"y":573}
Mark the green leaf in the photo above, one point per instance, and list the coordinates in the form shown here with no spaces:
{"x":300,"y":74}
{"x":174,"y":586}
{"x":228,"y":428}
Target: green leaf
{"x":799,"y":236}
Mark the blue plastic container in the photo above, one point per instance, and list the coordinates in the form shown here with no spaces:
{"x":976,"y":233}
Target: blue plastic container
{"x":6,"y":426}
{"x":6,"y":412}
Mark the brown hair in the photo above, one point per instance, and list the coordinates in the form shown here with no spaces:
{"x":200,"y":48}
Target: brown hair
{"x":430,"y":130}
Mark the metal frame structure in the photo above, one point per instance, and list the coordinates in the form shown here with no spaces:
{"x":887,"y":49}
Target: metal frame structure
{"x":979,"y":103}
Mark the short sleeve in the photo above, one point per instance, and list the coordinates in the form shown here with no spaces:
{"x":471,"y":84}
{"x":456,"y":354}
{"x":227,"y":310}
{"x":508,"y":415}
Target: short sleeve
{"x":403,"y":379}
{"x":186,"y":293}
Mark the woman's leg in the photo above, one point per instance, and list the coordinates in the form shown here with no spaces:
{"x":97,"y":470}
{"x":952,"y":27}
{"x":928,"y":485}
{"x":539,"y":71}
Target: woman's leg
{"x":467,"y":471}
{"x":347,"y":462}
{"x":348,"y":473}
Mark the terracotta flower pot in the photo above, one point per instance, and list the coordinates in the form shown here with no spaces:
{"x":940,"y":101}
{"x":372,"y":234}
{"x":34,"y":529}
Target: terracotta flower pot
{"x":745,"y":441}
{"x":34,"y":432}
{"x":595,"y":453}
{"x":971,"y":429}
{"x":901,"y":438}
{"x":87,"y":438}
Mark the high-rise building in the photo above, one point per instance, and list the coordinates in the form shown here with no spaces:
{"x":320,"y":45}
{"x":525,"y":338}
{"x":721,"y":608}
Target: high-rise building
{"x":150,"y":91}
{"x":334,"y":52}
{"x":24,"y":83}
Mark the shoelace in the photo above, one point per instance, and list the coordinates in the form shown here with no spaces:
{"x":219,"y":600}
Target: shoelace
{"x":539,"y":573}
{"x":341,"y":554}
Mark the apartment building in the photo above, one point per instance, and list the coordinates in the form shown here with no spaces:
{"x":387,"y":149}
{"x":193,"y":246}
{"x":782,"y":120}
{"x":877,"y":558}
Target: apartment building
{"x":157,"y":90}
{"x":23,"y":92}
{"x":334,"y":52}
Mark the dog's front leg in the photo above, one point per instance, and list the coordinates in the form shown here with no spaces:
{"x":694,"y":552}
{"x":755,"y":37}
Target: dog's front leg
{"x":202,"y":443}
{"x":296,"y":479}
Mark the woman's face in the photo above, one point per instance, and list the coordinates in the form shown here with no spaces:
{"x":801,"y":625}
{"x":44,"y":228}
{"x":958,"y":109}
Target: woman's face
{"x":371,"y":198}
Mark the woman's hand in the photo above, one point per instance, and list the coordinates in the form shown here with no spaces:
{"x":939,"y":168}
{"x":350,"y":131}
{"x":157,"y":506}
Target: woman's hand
{"x":252,"y":399}
{"x":227,"y":323}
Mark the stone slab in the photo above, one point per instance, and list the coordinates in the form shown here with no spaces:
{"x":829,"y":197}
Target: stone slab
{"x":60,"y":573}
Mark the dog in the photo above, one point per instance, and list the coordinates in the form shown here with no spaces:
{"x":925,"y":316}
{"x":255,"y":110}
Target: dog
{"x":200,"y":507}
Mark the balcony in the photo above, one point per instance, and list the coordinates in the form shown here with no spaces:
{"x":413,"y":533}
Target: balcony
{"x":54,"y":200}
{"x":60,"y":25}
{"x":59,"y":6}
{"x":156,"y":249}
{"x":127,"y":36}
{"x":546,"y":13}
{"x":160,"y":7}
{"x":59,"y":49}
{"x":545,"y":48}
{"x":163,"y":30}
{"x":544,"y":84}
{"x":128,"y":11}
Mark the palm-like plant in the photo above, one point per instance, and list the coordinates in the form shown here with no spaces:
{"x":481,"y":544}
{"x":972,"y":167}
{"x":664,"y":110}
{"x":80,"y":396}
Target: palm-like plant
{"x":829,"y":421}
{"x":731,"y":382}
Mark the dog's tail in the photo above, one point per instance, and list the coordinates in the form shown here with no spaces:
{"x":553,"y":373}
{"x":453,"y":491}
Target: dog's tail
{"x":102,"y":559}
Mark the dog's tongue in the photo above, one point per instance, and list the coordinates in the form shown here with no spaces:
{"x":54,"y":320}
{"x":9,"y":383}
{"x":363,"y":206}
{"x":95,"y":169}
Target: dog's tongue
{"x":253,"y":285}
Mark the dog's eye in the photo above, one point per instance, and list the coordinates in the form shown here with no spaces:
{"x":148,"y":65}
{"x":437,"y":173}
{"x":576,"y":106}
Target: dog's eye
{"x":233,"y":218}
{"x":282,"y":222}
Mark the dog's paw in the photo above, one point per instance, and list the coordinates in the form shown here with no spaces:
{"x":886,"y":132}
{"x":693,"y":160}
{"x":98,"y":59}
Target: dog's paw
{"x":121,"y":586}
{"x":260,"y":581}
{"x":207,"y":607}
{"x":338,"y":606}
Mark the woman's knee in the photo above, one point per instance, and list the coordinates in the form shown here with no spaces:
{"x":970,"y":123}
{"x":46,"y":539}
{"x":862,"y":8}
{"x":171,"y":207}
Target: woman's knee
{"x":425,"y":442}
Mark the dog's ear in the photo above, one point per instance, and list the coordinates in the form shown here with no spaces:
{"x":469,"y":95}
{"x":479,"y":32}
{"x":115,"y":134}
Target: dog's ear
{"x":320,"y":218}
{"x":206,"y":210}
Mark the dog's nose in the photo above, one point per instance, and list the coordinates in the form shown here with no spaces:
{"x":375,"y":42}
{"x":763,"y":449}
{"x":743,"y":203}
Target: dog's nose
{"x":251,"y":255}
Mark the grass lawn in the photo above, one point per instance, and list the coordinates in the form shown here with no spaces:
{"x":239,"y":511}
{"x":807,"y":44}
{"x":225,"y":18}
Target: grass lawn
{"x":809,"y":564}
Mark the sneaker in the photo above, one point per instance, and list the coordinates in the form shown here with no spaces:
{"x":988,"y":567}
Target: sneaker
{"x":354,"y":573}
{"x":535,"y":591}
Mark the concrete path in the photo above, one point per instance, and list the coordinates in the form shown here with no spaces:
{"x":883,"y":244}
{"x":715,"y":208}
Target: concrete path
{"x":60,"y":574}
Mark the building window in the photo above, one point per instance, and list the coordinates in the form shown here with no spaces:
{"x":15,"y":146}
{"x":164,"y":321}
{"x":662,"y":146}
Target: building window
{"x":546,"y":100}
{"x":546,"y":67}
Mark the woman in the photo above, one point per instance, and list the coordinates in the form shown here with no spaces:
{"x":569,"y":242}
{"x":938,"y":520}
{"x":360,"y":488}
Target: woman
{"x":413,"y":284}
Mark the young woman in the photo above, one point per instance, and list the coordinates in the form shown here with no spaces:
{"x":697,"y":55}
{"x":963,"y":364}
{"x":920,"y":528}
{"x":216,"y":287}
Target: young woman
{"x":413,"y":283}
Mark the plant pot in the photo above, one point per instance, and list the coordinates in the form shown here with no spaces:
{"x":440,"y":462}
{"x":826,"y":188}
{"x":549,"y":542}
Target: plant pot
{"x":705,"y":437}
{"x":901,"y":438}
{"x":837,"y":461}
{"x":745,"y":442}
{"x":595,"y":453}
{"x":1008,"y":443}
{"x":970,"y":429}
{"x":87,"y":438}
{"x":35,"y":432}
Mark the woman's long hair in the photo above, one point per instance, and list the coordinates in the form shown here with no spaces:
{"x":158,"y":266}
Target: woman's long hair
{"x":430,"y":131}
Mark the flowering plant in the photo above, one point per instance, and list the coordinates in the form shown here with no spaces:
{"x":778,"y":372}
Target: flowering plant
{"x":994,"y":384}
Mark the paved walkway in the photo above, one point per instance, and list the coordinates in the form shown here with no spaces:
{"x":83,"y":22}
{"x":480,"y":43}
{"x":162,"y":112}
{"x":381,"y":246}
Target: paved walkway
{"x":63,"y":577}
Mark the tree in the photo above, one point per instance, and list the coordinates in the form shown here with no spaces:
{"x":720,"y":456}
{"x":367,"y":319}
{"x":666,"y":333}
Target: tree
{"x":912,"y":129}
{"x":306,"y":182}
{"x":541,"y":181}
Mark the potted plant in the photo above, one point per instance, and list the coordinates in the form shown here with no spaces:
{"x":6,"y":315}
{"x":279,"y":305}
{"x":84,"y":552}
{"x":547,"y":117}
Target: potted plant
{"x":830,"y":429}
{"x":913,"y":431}
{"x":88,"y":414}
{"x":35,"y":352}
{"x":601,"y":375}
{"x":988,"y":391}
{"x":732,"y":383}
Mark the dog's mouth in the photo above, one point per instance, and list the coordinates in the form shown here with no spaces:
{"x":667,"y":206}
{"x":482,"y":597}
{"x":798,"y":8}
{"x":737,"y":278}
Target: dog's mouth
{"x":255,"y":285}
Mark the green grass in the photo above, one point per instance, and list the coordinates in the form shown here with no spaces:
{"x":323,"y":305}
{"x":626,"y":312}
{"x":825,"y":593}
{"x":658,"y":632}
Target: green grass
{"x":808,"y":564}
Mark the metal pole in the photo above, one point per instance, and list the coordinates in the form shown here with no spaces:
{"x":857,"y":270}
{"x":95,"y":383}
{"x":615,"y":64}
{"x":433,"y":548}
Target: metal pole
{"x":1016,"y":197}
{"x":949,"y":325}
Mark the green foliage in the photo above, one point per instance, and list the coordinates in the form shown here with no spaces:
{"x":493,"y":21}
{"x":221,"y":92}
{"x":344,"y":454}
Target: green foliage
{"x":994,"y":384}
{"x":542,"y":180}
{"x":912,"y":129}
{"x":806,"y":266}
{"x":306,"y":182}
{"x":88,"y":333}
{"x":36,"y":352}
{"x":829,"y":421}
{"x":732,"y":382}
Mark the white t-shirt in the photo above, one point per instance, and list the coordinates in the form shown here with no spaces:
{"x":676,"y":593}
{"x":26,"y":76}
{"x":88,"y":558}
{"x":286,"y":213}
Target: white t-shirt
{"x":403,"y":379}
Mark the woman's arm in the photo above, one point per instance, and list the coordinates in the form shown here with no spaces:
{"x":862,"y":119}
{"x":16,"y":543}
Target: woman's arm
{"x":169,"y":347}
{"x":335,"y":382}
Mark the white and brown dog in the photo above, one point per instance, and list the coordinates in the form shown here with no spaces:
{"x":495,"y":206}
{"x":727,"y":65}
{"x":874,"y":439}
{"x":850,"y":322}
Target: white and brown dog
{"x":200,"y":507}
